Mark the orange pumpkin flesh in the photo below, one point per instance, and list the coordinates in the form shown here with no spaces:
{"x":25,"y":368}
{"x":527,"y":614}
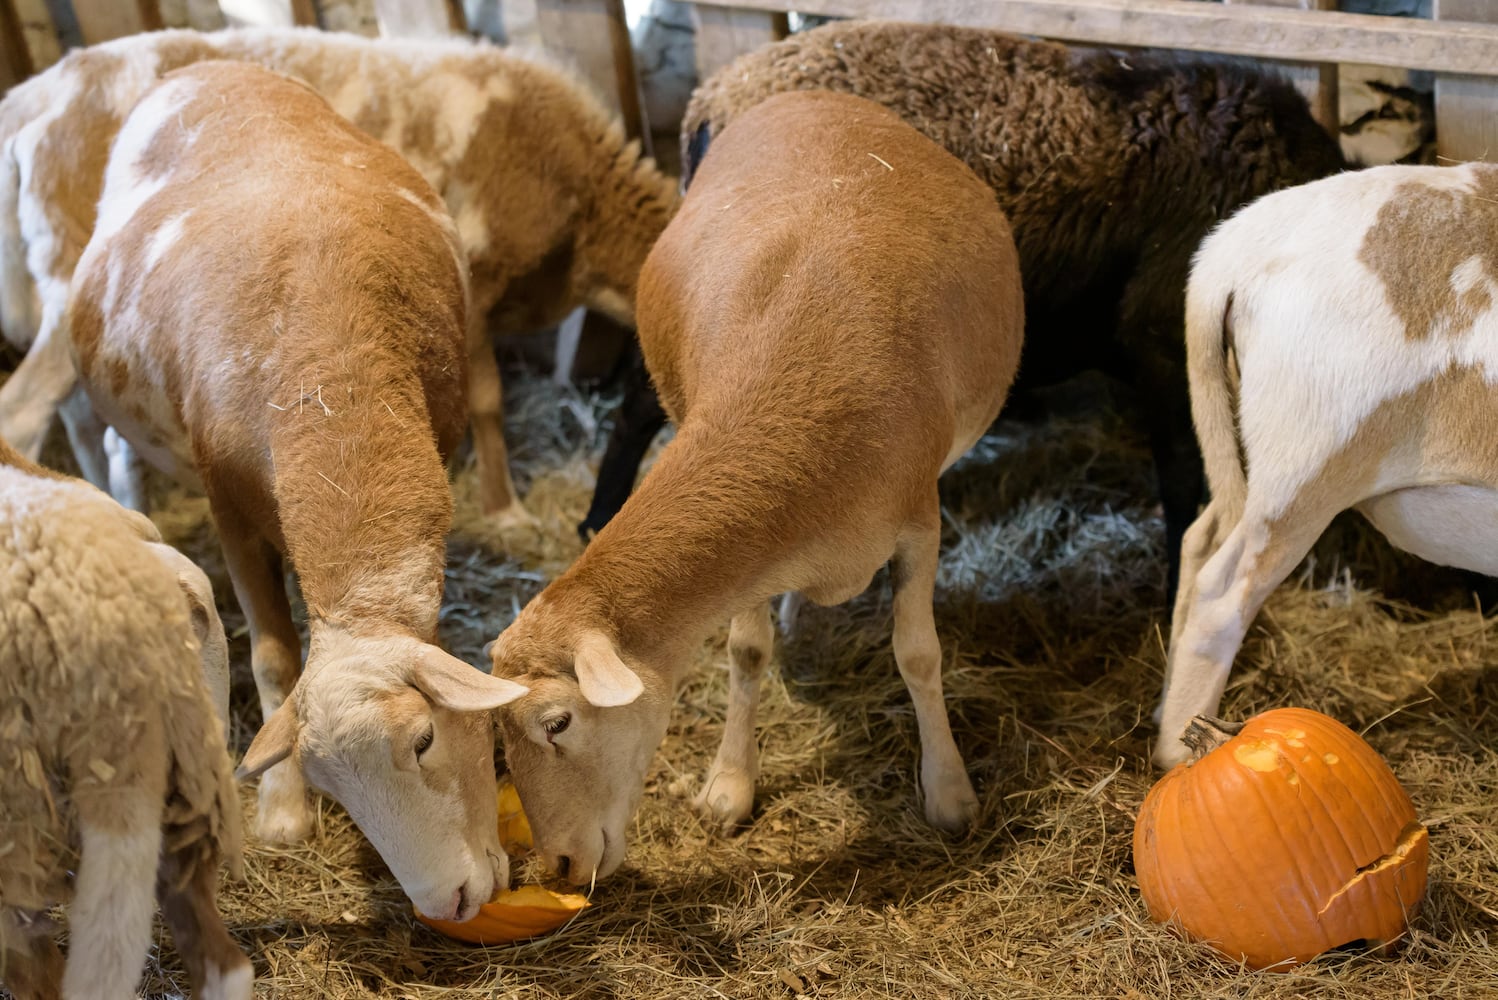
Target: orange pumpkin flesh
{"x":515,"y":914}
{"x":514,"y":828}
{"x":1283,"y":841}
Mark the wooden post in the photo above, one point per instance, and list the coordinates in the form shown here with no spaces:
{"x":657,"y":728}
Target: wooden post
{"x":1466,"y":106}
{"x":725,"y":33}
{"x":420,"y":18}
{"x":304,"y":13}
{"x":1318,"y":82}
{"x":594,"y":37}
{"x":101,"y":20}
{"x":270,"y":13}
{"x":15,"y":60}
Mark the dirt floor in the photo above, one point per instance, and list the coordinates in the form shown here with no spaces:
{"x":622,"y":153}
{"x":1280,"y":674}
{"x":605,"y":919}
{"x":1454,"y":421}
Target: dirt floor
{"x":1049,"y":607}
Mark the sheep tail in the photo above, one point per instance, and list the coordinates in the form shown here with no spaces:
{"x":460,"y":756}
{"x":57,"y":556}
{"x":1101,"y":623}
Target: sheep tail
{"x":1211,"y":366}
{"x":202,"y":820}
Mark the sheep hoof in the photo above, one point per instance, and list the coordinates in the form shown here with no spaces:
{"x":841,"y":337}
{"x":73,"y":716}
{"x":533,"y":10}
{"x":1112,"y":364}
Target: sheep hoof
{"x":1169,"y":753}
{"x":514,"y":518}
{"x":951,"y":803}
{"x":726,"y":800}
{"x":283,"y":819}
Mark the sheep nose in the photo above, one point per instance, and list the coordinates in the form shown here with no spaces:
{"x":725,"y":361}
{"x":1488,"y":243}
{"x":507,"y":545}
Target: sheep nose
{"x":564,"y":865}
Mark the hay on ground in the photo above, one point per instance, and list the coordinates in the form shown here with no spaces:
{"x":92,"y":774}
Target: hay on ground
{"x":1049,"y":607}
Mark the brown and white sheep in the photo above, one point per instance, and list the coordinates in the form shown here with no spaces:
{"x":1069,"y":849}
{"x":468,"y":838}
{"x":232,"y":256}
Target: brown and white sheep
{"x":115,"y":782}
{"x":555,"y":208}
{"x":833,"y":318}
{"x":272,"y":307}
{"x":1342,"y":341}
{"x":1111,"y":168}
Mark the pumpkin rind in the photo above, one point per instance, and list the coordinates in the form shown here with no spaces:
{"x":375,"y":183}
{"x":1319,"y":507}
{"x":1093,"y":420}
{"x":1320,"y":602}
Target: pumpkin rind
{"x":1291,"y":838}
{"x":515,"y":915}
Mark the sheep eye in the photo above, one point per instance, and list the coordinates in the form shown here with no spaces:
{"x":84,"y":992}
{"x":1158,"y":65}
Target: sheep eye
{"x":425,"y":742}
{"x":557,"y":725}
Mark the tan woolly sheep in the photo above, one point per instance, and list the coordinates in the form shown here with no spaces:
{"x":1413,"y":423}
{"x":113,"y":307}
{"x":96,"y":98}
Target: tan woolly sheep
{"x":115,"y":783}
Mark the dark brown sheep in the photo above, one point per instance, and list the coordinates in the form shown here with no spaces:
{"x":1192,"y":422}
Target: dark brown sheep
{"x":1111,"y":169}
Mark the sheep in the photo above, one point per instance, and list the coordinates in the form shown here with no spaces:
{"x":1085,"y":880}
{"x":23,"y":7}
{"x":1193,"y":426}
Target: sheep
{"x":554,"y":207}
{"x":116,"y":783}
{"x":1111,"y":169}
{"x":1341,"y":339}
{"x":833,"y":318}
{"x":272,"y":307}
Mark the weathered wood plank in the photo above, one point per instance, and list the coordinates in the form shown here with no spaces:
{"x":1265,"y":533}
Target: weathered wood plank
{"x":725,"y":33}
{"x":101,"y":20}
{"x":15,"y":59}
{"x":304,"y":13}
{"x":1318,"y":83}
{"x":420,"y":18}
{"x":270,"y":13}
{"x":1466,"y":106}
{"x":1297,"y":35}
{"x":593,"y":36}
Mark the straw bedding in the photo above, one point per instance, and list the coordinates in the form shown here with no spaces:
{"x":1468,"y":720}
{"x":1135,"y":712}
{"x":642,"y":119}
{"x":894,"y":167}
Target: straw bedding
{"x":1049,"y":605}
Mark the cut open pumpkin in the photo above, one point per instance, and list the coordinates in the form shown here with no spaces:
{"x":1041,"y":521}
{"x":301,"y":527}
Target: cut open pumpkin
{"x":515,"y":914}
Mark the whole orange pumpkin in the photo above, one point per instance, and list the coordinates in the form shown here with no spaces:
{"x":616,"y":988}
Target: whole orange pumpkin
{"x":1282,"y":839}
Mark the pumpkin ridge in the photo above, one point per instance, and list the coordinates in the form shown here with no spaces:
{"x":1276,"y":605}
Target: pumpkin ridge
{"x":1238,"y":858}
{"x":1396,"y":800}
{"x":1173,"y":800}
{"x":1375,"y":773}
{"x":1329,"y":857}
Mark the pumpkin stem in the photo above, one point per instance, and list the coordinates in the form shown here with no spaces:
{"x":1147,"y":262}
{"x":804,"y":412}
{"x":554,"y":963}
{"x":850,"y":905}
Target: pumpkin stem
{"x":1205,"y":734}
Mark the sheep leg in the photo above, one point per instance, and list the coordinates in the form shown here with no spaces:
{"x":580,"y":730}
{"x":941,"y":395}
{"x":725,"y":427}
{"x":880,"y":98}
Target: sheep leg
{"x":285,"y":816}
{"x":1182,"y":478}
{"x":727,"y":794}
{"x":789,"y":613}
{"x":1201,"y":542}
{"x":86,"y":437}
{"x":127,"y":482}
{"x":34,"y":973}
{"x":486,"y":417}
{"x":1151,"y":316}
{"x":637,"y":421}
{"x":217,"y":967}
{"x":1228,"y":591}
{"x":37,"y":388}
{"x":951,"y":803}
{"x":114,"y":896}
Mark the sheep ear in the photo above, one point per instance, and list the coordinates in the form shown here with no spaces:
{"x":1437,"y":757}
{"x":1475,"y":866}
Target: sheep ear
{"x":604,"y":678}
{"x":458,"y":686}
{"x":273,"y":744}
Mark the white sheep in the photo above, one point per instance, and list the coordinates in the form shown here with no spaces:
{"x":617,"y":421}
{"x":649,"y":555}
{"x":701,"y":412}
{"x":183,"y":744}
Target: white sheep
{"x":272,"y":308}
{"x":1342,"y":343}
{"x":555,"y":207}
{"x":115,"y":782}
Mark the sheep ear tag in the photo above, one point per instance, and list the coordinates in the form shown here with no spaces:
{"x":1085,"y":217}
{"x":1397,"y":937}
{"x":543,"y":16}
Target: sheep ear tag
{"x":605,"y":680}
